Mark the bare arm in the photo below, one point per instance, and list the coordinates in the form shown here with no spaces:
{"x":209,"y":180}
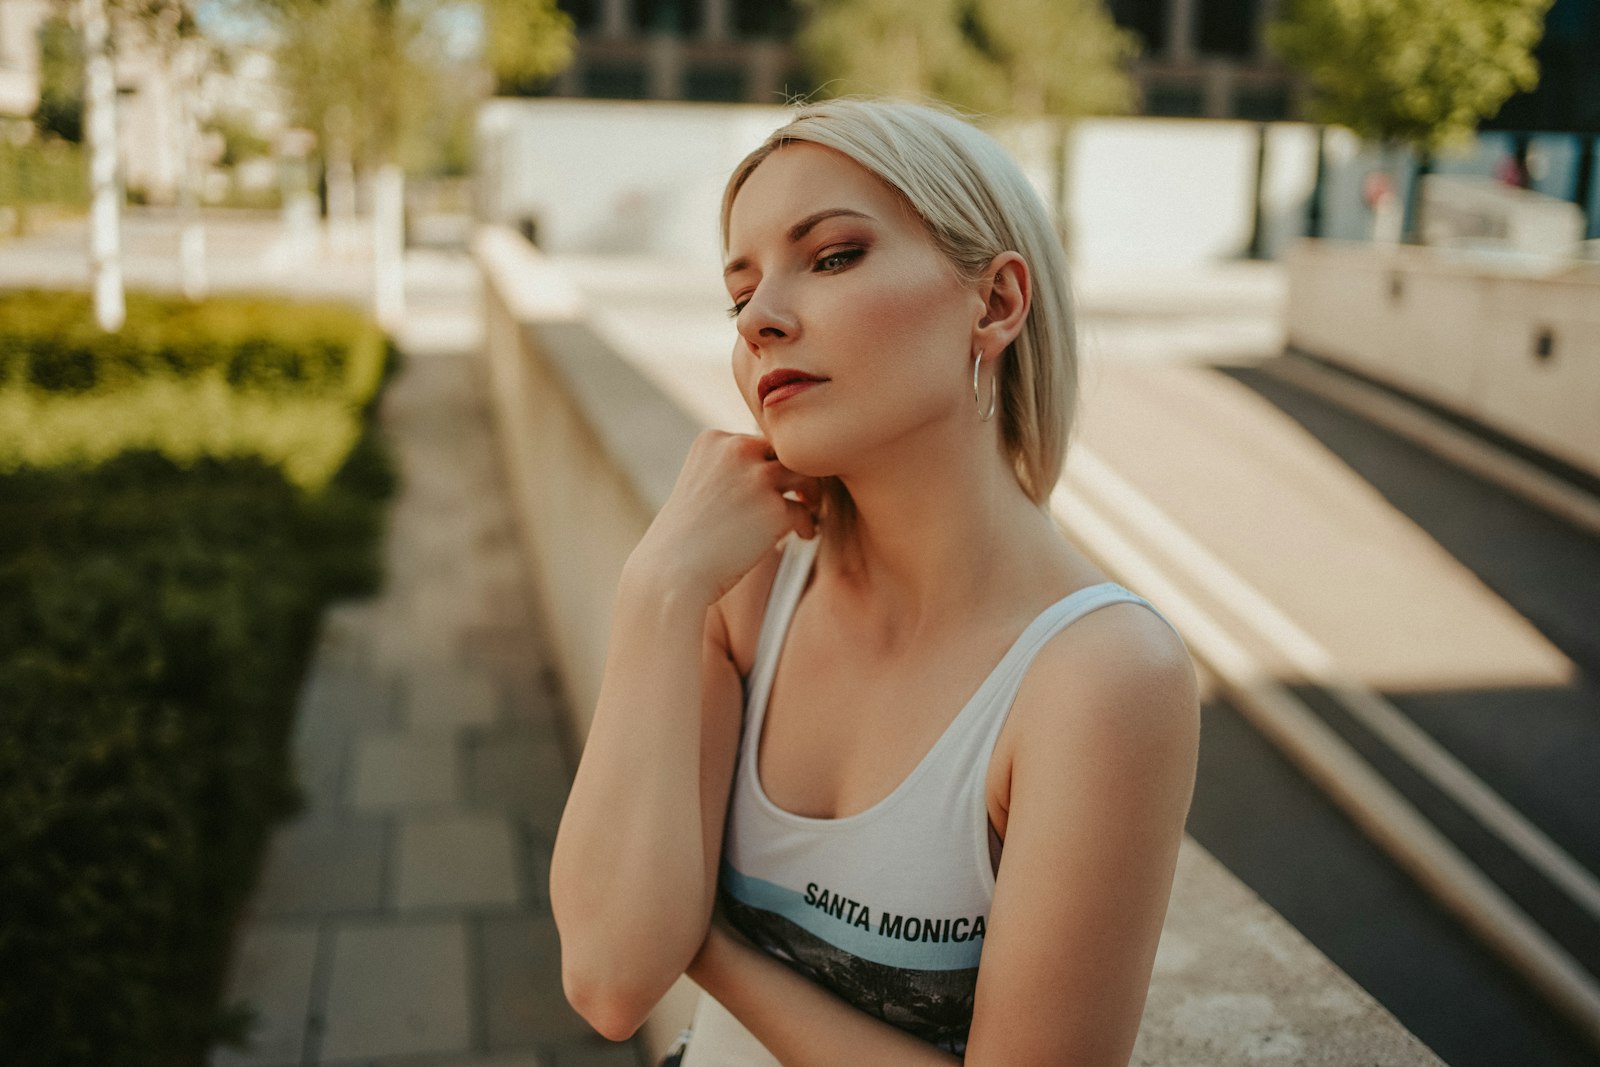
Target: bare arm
{"x":1100,"y":788}
{"x":633,"y":875}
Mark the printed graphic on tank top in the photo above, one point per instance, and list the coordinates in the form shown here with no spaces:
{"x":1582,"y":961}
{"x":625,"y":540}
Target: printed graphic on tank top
{"x":887,"y":908}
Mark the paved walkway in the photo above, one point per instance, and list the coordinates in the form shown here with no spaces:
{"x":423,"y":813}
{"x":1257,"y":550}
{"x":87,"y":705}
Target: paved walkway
{"x":403,"y":919}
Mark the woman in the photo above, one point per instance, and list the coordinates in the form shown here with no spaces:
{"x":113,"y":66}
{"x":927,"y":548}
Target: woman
{"x":864,"y":632}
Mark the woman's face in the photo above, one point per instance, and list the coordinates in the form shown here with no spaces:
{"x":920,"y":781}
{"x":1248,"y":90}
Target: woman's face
{"x":834,"y":277}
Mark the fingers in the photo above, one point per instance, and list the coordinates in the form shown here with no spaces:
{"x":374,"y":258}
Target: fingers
{"x":805,"y":487}
{"x":801,"y":520}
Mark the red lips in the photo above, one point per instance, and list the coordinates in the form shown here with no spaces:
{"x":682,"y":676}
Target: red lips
{"x":781,"y":377}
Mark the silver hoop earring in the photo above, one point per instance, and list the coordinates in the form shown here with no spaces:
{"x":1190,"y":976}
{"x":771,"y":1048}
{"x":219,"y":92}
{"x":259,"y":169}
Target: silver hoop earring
{"x":985,"y":415}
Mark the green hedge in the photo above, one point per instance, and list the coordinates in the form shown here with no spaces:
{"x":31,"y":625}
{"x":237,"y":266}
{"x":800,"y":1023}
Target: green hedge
{"x":159,"y":616}
{"x":49,"y":341}
{"x":224,"y":377}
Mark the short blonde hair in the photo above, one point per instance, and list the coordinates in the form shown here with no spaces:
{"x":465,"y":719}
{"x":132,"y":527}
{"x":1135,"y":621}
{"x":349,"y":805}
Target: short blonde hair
{"x":976,"y":203}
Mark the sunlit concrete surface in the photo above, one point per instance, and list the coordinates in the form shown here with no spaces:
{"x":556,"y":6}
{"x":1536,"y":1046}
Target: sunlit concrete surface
{"x":1378,"y":592}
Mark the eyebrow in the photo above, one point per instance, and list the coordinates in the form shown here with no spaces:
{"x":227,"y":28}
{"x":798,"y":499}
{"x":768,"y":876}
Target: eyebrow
{"x":800,"y":229}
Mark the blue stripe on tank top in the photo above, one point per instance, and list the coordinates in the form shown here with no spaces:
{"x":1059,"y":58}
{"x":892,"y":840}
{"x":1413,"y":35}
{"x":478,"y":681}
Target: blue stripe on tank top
{"x":894,"y":951}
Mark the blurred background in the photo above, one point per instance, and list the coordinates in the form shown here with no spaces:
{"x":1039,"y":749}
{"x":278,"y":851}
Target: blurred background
{"x":347,"y":346}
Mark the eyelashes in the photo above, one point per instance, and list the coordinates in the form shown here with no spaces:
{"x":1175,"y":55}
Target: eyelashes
{"x":831,"y":263}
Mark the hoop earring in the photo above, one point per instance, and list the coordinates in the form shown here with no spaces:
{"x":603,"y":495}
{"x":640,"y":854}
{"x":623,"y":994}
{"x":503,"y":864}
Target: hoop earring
{"x":984,"y":414}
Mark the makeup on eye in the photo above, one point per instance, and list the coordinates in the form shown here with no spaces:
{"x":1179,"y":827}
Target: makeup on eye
{"x":841,"y":257}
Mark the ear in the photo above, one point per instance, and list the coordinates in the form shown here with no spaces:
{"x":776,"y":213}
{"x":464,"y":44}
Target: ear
{"x":1005,"y":290}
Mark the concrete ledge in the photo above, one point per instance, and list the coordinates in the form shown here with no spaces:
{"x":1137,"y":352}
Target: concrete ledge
{"x":1516,"y":347}
{"x":593,"y":449}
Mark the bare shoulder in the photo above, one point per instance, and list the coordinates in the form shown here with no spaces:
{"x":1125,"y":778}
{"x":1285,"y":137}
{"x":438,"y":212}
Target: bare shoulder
{"x":1120,"y":675}
{"x":739,"y":613}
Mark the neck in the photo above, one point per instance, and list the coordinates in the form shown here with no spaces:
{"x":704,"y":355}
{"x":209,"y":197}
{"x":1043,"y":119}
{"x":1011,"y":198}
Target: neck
{"x":939,"y":534}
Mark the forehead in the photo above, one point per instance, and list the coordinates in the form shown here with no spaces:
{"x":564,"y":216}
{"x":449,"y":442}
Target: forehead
{"x":802,"y":178}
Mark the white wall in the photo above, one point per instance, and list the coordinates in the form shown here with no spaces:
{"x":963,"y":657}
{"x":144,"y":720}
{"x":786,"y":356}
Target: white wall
{"x":1461,"y":333}
{"x":627,"y":177}
{"x":604,"y":176}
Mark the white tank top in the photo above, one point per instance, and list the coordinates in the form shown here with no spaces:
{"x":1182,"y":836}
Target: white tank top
{"x":886,"y":908}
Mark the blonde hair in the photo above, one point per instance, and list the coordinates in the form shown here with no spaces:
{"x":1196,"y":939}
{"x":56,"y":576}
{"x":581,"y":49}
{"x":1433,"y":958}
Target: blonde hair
{"x":975,"y":203}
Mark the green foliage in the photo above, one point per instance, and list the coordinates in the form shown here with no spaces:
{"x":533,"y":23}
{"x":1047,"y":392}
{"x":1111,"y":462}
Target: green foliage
{"x":60,"y":111}
{"x":42,"y":172}
{"x":526,"y":41}
{"x":1421,"y":72}
{"x":239,"y":138}
{"x":1021,"y":58}
{"x":158,"y":620}
{"x":375,"y":77}
{"x":226,"y":377}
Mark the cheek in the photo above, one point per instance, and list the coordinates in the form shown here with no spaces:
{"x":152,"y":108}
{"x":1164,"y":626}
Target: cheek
{"x":907,"y":327}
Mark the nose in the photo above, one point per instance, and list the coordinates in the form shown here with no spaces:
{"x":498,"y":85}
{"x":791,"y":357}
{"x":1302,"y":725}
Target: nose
{"x":765,"y":320}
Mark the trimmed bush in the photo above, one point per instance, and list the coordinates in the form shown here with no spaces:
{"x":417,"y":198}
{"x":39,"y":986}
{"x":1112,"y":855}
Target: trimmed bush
{"x":226,"y":377}
{"x":49,"y":341}
{"x":158,"y":617}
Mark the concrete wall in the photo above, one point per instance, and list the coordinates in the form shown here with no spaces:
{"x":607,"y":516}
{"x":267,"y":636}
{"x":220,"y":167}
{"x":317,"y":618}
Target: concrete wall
{"x":1462,"y":332}
{"x":607,"y":176}
{"x":593,"y":449}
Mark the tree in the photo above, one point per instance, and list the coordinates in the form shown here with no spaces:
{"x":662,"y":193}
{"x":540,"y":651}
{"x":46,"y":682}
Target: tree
{"x":167,"y":26}
{"x":1025,"y":59}
{"x":1420,"y":73}
{"x":60,"y":111}
{"x":525,"y":42}
{"x":105,"y":191}
{"x":369,"y":76}
{"x":1022,"y":58}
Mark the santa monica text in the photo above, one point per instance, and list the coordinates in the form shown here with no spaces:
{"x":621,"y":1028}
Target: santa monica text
{"x":900,"y":927}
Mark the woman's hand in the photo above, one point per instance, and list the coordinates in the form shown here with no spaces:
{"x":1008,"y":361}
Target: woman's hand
{"x":726,"y":511}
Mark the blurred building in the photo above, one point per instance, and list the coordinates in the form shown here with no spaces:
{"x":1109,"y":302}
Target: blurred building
{"x":19,"y":55}
{"x":1201,"y":57}
{"x":160,"y":95}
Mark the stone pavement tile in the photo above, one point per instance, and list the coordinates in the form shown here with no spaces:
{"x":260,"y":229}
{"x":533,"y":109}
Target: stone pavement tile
{"x":338,"y":701}
{"x":456,"y":861}
{"x":321,"y":755}
{"x":398,"y":649}
{"x":347,"y":630}
{"x":330,"y":862}
{"x":523,"y":1058}
{"x":497,"y":603}
{"x":520,"y":986}
{"x":464,"y":696}
{"x":397,"y":988}
{"x":518,"y":769}
{"x":598,"y":1053}
{"x":416,"y":768}
{"x":351,"y":694}
{"x":533,"y":863}
{"x":516,"y":658}
{"x":272,"y":971}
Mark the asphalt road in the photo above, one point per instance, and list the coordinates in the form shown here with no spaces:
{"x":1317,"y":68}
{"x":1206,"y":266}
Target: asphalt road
{"x":1537,"y":746}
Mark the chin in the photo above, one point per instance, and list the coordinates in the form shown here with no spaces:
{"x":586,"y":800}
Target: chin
{"x":813,"y":454}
